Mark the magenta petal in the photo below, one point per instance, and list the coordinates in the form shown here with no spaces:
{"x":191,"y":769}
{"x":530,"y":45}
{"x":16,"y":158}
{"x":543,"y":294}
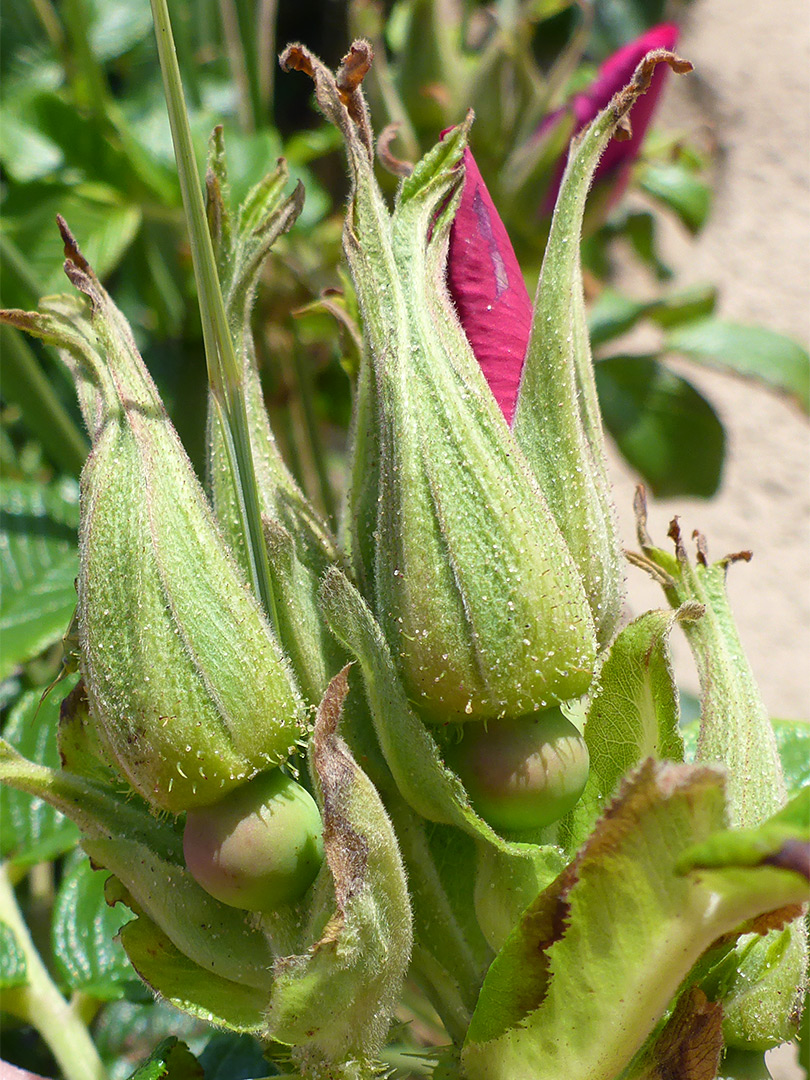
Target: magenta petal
{"x":488,"y":289}
{"x":615,"y":73}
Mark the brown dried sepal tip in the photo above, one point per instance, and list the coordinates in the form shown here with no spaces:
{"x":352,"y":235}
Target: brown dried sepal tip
{"x":387,"y":159}
{"x":296,"y":58}
{"x":640,"y":84}
{"x":353,"y":69}
{"x":73,"y":256}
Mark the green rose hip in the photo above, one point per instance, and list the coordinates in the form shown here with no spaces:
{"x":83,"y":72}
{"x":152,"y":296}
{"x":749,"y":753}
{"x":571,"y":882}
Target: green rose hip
{"x":259,"y":847}
{"x":522,"y":774}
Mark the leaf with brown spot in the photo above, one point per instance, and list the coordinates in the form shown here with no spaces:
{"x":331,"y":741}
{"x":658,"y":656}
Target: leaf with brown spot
{"x":690,"y":1045}
{"x":633,"y":925}
{"x":336,"y":1000}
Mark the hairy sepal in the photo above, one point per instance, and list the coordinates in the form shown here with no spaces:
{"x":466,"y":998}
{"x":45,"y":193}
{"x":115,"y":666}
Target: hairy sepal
{"x":334,"y":1002}
{"x":632,"y":714}
{"x":508,"y":875}
{"x":735,"y":730}
{"x":557,"y":421}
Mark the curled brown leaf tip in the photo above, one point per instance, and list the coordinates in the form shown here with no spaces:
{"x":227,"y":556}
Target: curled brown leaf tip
{"x":624,"y":130}
{"x":388,"y":160}
{"x":738,"y":556}
{"x":72,"y":253}
{"x":640,"y":83}
{"x":674,"y":533}
{"x":640,"y":511}
{"x":297,"y":58}
{"x":353,"y":69}
{"x":645,"y":69}
{"x":702,"y":547}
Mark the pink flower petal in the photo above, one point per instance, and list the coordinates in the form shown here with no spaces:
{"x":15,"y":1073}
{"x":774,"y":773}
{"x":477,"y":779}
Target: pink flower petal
{"x":483,"y":275}
{"x":615,"y":73}
{"x":488,"y":289}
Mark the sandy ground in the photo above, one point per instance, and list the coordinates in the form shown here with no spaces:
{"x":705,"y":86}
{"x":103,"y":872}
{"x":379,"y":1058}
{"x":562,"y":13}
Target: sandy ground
{"x":751,"y":93}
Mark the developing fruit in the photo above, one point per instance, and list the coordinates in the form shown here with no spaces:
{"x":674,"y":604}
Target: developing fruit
{"x":259,"y":847}
{"x":522,"y":774}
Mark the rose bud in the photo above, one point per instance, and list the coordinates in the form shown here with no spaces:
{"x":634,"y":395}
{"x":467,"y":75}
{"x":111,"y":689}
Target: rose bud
{"x":188,"y":689}
{"x":259,"y":847}
{"x":537,"y":362}
{"x":451,"y":539}
{"x":522,"y":774}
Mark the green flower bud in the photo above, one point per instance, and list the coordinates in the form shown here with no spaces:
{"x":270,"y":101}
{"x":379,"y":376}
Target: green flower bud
{"x":453,"y":544}
{"x":523,"y":774}
{"x":259,"y":847}
{"x":189,"y":691}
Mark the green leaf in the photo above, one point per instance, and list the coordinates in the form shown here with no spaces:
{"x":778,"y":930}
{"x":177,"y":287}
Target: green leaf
{"x":596,"y":960}
{"x":614,"y":313}
{"x":641,"y":230}
{"x":229,"y":1056}
{"x":82,"y":932}
{"x":26,"y":154}
{"x":38,"y":566}
{"x":793,"y":744}
{"x":633,"y":714}
{"x":171,"y":1060}
{"x":680,"y":190}
{"x":116,"y":27}
{"x":13,"y":969}
{"x":751,"y":847}
{"x":30,"y":830}
{"x":685,"y":306}
{"x":126,"y":1031}
{"x":187,"y":985}
{"x":663,"y":426}
{"x":752,"y":351}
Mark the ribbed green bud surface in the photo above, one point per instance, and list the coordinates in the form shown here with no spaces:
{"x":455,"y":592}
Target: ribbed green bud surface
{"x":453,"y":543}
{"x":557,"y":420}
{"x":189,"y":691}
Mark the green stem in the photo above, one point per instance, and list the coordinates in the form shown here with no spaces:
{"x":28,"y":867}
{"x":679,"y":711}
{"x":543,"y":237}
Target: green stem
{"x":266,"y":55}
{"x":40,"y":1004}
{"x":442,"y":994}
{"x":224,"y":371}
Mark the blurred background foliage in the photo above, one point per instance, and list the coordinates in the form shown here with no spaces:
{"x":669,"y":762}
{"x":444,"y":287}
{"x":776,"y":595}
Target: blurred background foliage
{"x":84,"y":133}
